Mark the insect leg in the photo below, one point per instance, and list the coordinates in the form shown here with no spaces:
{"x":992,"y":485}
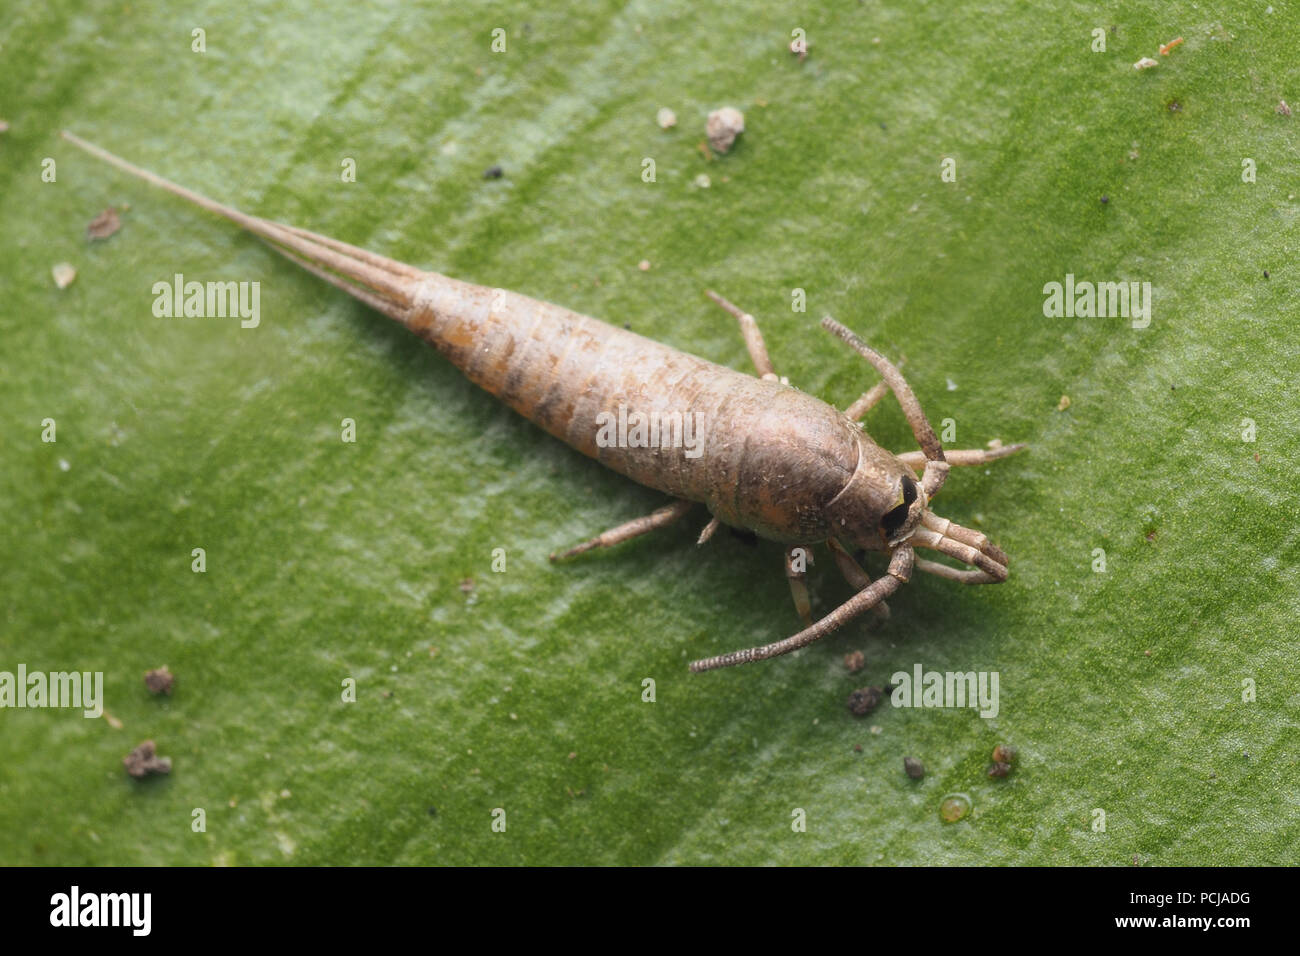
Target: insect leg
{"x":900,"y":569}
{"x":797,"y":577}
{"x":964,"y":575}
{"x":631,"y":529}
{"x":869,"y":399}
{"x":857,"y":578}
{"x":964,"y":456}
{"x":753,"y":337}
{"x":709,"y":530}
{"x":976,"y":539}
{"x":987,"y":558}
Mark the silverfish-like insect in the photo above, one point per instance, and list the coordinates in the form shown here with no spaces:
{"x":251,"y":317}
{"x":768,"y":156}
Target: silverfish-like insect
{"x":773,"y":460}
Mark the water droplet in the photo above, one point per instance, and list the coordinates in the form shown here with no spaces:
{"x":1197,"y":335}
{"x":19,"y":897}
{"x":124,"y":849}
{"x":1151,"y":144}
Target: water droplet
{"x":954,"y":807}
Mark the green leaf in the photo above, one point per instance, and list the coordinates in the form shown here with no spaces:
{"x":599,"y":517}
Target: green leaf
{"x":1122,"y":691}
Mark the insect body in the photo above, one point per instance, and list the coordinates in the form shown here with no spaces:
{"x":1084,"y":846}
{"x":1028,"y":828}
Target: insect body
{"x":769,"y":458}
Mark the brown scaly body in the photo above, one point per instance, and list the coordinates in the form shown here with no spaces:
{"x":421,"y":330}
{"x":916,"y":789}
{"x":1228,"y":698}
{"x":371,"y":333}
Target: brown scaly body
{"x":770,"y":458}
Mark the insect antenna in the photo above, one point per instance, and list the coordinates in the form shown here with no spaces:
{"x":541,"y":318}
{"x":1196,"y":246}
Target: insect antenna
{"x":925,"y":435}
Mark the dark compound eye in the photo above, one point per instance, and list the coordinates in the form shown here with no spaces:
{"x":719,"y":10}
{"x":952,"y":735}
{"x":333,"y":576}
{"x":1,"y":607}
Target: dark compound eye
{"x":894,"y":518}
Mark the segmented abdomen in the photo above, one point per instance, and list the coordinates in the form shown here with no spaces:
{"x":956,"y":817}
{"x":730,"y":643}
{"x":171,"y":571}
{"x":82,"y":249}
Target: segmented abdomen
{"x":768,"y":458}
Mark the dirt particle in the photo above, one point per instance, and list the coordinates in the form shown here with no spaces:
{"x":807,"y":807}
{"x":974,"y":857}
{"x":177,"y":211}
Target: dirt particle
{"x":857,"y":748}
{"x":160,"y":680}
{"x":573,"y":755}
{"x":104,"y":225}
{"x":913,"y":768}
{"x":666,"y":118}
{"x":1004,"y":754}
{"x":1000,"y":768}
{"x":467,"y":586}
{"x":723,"y":127}
{"x":1265,"y":273}
{"x":493,"y":172}
{"x":1283,"y":109}
{"x":1174,"y":106}
{"x":864,"y":700}
{"x":1105,"y":200}
{"x":855,"y":661}
{"x":64,"y":273}
{"x":144,"y":760}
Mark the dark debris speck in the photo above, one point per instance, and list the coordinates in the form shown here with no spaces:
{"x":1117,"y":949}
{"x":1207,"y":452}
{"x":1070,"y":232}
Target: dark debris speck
{"x":160,"y":680}
{"x":864,"y":700}
{"x":144,"y":760}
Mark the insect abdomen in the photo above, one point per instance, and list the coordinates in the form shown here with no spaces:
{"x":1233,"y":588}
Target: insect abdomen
{"x":760,"y":454}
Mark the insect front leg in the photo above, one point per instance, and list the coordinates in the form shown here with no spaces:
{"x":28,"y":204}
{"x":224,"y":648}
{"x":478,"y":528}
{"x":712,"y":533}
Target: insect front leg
{"x":853,"y":573}
{"x":900,"y":569}
{"x":797,"y":560}
{"x":962,"y":456}
{"x":630,"y":529}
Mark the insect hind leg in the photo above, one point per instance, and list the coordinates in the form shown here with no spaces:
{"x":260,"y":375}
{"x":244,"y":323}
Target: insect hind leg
{"x":660,"y":518}
{"x":753,"y":337}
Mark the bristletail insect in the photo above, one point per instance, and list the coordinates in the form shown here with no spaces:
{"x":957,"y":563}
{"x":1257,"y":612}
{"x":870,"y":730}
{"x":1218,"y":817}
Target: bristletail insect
{"x":769,"y":458}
